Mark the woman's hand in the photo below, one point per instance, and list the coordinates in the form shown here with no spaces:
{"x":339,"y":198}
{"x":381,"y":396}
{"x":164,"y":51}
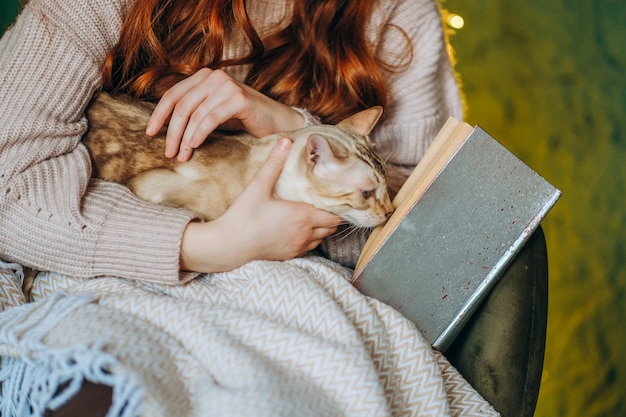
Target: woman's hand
{"x":198,"y":105}
{"x":257,"y":225}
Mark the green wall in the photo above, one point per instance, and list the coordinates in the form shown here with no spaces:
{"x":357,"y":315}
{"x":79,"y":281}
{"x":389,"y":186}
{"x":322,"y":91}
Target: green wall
{"x":548,"y":78}
{"x":8,"y":10}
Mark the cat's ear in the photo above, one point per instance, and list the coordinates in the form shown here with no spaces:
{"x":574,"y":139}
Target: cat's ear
{"x":319,"y":154}
{"x":362,"y":122}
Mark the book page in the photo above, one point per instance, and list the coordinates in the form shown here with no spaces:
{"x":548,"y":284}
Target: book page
{"x":427,"y":161}
{"x":444,"y":146}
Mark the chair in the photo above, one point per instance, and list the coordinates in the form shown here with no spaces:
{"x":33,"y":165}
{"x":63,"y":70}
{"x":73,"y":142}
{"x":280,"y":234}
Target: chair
{"x":501,"y":349}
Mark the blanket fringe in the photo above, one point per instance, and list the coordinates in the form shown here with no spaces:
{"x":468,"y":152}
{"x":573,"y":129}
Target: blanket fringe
{"x":17,"y":269}
{"x":35,"y":378}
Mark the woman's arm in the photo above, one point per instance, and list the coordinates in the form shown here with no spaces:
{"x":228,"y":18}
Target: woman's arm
{"x":257,"y":225}
{"x":52,"y":217}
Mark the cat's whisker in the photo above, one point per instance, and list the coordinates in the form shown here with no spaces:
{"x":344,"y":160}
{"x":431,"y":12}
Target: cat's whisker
{"x":352,"y":231}
{"x":388,"y":156}
{"x":344,"y":234}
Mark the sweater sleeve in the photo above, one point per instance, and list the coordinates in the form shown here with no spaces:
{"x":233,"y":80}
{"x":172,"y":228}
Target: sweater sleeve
{"x":52,"y":215}
{"x":422,"y":94}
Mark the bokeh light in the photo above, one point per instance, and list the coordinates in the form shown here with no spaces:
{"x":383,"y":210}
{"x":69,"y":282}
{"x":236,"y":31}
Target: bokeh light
{"x":456,"y":21}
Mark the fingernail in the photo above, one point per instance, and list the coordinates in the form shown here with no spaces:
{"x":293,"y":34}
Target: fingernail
{"x":184,"y":154}
{"x":284,"y":144}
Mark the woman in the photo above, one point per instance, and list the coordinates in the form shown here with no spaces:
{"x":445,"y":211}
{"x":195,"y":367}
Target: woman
{"x":264,"y":67}
{"x":393,"y":53}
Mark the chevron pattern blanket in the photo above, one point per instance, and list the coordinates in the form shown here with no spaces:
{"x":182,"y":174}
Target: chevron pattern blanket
{"x":268,"y":339}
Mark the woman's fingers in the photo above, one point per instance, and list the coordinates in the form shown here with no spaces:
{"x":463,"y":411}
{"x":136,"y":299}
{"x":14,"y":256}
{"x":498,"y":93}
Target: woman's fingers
{"x":195,"y":107}
{"x":265,"y":180}
{"x":284,"y":229}
{"x":169,"y":100}
{"x":209,"y":99}
{"x":177,"y":106}
{"x":210,"y":114}
{"x":258,"y":225}
{"x":322,"y":222}
{"x":322,"y":219}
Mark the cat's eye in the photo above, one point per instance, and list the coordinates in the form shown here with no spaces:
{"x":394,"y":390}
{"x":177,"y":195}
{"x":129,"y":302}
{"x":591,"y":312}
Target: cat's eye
{"x":367,"y":193}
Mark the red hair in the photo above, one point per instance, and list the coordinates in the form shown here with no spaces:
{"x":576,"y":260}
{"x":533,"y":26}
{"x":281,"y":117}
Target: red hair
{"x":320,"y":61}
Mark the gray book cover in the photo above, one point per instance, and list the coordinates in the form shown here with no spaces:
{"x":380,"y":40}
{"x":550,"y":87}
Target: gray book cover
{"x":457,"y":239}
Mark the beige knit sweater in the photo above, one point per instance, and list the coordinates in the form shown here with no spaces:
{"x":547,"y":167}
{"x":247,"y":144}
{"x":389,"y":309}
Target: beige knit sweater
{"x":53,"y":216}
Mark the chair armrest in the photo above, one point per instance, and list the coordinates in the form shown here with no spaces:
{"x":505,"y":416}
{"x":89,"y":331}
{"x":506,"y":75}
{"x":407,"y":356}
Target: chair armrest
{"x":501,"y":349}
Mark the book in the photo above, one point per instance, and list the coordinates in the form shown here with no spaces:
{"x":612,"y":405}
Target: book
{"x":460,"y":218}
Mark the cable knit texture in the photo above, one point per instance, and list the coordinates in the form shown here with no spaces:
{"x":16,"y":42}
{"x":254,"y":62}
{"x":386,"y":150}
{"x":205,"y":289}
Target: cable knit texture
{"x":54,"y":217}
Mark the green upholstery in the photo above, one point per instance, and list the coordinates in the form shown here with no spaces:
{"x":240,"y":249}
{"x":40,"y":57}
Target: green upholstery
{"x":501,"y":350}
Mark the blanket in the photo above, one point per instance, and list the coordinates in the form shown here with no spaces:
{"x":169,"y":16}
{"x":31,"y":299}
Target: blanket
{"x":267,"y":339}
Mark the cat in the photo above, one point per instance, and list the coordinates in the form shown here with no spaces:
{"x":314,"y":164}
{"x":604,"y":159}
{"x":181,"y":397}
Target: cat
{"x":332,"y":167}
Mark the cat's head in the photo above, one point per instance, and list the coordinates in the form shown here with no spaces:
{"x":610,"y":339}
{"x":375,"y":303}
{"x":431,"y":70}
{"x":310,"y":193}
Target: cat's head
{"x":344,"y":174}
